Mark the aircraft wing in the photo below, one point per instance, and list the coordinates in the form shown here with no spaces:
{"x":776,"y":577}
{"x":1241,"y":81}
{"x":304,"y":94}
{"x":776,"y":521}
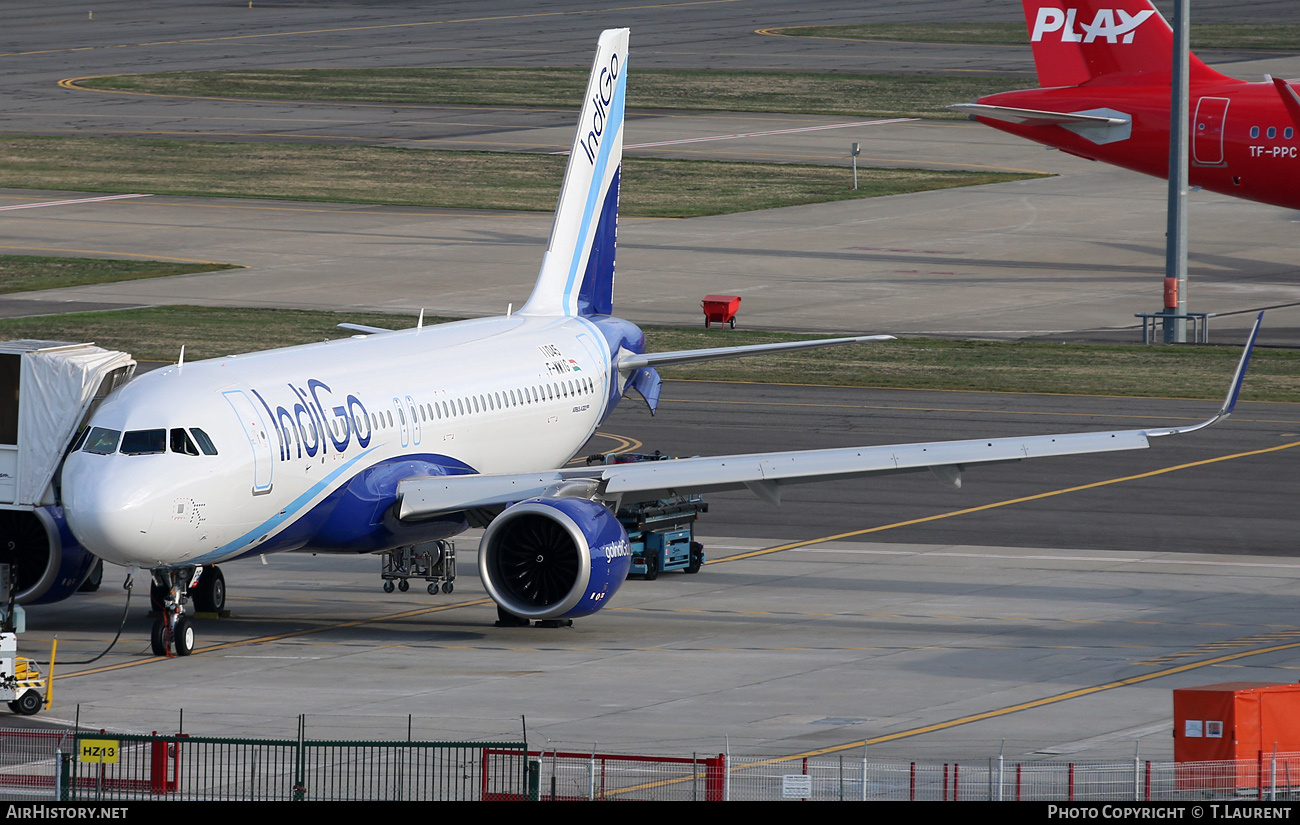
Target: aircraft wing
{"x":766,"y":473}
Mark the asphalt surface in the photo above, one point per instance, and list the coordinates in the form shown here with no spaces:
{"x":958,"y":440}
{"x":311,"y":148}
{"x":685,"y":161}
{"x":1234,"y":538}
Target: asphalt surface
{"x":921,"y":615}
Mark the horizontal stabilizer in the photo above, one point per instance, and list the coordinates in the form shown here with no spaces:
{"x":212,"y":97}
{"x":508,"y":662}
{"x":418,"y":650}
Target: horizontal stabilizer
{"x":363,"y":328}
{"x":1097,"y":125}
{"x":1035,"y":117}
{"x":631,"y":362}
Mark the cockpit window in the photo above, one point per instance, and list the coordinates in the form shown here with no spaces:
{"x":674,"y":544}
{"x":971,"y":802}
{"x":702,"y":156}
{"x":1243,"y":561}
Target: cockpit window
{"x":102,"y":441}
{"x":144,"y":442}
{"x":205,"y":443}
{"x":181,"y":443}
{"x":81,"y":439}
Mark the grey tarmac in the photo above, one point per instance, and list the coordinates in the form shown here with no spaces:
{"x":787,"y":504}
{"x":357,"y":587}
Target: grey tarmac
{"x":826,"y":645}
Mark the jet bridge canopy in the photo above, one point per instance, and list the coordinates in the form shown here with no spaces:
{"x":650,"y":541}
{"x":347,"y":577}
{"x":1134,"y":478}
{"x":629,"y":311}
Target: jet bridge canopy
{"x":47,"y":391}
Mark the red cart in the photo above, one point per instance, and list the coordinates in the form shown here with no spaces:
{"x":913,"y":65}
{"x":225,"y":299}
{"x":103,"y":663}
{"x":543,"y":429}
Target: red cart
{"x":720,"y":308}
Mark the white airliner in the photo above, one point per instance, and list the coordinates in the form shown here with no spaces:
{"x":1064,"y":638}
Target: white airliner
{"x":400,"y":438}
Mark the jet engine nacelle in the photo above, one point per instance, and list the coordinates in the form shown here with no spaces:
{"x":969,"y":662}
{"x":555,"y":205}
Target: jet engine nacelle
{"x":48,"y":563}
{"x":558,"y":558}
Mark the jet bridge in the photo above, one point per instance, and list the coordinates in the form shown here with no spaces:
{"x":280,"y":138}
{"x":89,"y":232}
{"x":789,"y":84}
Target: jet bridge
{"x":48,"y":389}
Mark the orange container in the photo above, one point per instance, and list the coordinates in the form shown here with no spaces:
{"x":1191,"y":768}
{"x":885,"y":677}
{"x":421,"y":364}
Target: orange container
{"x":1248,"y":721}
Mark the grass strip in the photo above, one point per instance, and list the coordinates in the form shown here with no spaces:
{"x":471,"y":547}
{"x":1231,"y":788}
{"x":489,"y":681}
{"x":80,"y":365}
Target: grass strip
{"x":915,"y":363}
{"x":420,"y":177}
{"x":1270,"y":37}
{"x":23,"y":273}
{"x":856,"y":95}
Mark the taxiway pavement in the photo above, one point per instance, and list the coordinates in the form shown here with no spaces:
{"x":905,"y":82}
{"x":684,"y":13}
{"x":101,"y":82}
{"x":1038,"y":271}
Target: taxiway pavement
{"x":1174,"y":556}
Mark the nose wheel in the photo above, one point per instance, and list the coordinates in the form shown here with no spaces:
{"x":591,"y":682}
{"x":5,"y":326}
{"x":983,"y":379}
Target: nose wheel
{"x":168,"y":592}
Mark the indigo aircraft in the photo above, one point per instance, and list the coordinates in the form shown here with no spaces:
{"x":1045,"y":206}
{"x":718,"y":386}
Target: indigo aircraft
{"x":1105,"y":66}
{"x":401,"y":438}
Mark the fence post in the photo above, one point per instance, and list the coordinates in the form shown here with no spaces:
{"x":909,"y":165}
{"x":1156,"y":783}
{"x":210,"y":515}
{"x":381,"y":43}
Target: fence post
{"x":695,"y":776}
{"x":864,"y":774}
{"x":534,"y":778}
{"x":300,"y":762}
{"x":63,"y":780}
{"x":1272,"y":776}
{"x":715,"y":787}
{"x":1001,"y":769}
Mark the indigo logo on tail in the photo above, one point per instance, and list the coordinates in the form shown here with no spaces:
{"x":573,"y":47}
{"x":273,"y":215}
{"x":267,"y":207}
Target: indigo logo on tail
{"x":600,"y":108}
{"x":1103,"y":25}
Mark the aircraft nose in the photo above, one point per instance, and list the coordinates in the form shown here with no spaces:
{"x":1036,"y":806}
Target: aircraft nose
{"x":108,"y":515}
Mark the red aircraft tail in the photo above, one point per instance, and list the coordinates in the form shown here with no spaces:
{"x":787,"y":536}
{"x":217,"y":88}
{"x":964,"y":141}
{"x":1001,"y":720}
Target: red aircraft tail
{"x":1110,"y":41}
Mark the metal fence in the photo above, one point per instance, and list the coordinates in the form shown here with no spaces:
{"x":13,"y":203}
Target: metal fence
{"x":1268,"y":777}
{"x":619,"y":777}
{"x":28,"y":762}
{"x":94,"y":767}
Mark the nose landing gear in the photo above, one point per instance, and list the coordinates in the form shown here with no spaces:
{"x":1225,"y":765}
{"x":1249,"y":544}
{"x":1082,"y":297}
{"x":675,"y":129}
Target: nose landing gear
{"x":169,"y":591}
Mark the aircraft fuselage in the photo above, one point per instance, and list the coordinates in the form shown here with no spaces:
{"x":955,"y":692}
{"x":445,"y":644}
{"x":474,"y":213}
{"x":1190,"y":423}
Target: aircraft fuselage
{"x":311,"y":441}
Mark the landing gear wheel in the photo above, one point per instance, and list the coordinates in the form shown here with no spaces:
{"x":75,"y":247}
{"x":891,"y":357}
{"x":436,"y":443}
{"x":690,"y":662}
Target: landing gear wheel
{"x":389,"y":587}
{"x":403,"y":585}
{"x":697,"y":557}
{"x":157,"y":638}
{"x":651,"y":568}
{"x":29,"y":704}
{"x":94,"y":580}
{"x":447,"y":587}
{"x":211,"y":595}
{"x":184,"y":637}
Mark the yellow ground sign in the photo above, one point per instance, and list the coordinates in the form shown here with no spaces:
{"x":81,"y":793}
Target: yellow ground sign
{"x":99,"y":750}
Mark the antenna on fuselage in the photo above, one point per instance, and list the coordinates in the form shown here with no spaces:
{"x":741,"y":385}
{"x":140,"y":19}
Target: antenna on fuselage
{"x":509,"y":309}
{"x":420,"y":323}
{"x":180,"y":364}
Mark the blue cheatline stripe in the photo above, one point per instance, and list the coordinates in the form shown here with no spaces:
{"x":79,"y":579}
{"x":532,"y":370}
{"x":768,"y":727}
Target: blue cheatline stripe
{"x":596,"y":293}
{"x":595,"y":193}
{"x":286,"y":515}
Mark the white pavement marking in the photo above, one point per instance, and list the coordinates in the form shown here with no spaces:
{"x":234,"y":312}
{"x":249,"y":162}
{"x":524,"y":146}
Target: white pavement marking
{"x":78,"y":200}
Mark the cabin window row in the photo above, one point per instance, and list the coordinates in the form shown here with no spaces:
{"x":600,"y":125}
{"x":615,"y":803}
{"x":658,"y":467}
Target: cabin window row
{"x":1271,"y":132}
{"x":485,"y":402}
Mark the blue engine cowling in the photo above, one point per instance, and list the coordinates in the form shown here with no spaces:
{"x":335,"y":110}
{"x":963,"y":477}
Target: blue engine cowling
{"x":48,"y":563}
{"x":554,"y":558}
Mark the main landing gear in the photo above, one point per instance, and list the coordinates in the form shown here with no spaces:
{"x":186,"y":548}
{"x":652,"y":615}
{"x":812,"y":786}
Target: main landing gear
{"x":169,"y":591}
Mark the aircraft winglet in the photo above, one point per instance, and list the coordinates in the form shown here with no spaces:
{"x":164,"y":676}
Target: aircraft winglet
{"x":1234,"y":391}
